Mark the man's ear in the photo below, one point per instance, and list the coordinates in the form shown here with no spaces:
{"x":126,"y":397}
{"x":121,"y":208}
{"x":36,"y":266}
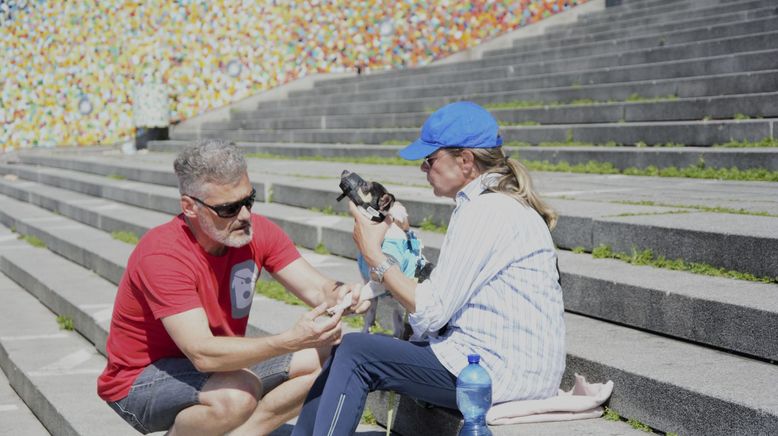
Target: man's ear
{"x":188,"y":206}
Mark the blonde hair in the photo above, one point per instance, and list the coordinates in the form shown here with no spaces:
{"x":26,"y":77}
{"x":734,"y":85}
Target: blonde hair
{"x":514,"y":180}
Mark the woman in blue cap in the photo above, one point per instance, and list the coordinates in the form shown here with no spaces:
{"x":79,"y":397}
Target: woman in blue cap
{"x":494,"y":292}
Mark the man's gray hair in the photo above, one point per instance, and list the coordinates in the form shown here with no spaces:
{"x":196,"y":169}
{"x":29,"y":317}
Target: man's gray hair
{"x":208,"y":161}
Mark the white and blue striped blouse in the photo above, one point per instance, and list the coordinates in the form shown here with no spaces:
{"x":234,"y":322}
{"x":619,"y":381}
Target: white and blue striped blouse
{"x":495,"y":287}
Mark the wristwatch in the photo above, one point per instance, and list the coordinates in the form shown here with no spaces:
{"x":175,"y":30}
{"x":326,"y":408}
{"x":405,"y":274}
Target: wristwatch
{"x":377,"y":272}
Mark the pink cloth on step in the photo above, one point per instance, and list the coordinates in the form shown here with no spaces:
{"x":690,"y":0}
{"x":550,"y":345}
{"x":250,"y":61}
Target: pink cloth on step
{"x":583,"y":401}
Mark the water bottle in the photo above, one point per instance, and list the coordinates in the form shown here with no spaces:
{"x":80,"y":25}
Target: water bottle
{"x":474,"y":397}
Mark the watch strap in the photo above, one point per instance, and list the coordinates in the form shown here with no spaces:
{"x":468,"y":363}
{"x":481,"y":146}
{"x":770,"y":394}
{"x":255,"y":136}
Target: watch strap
{"x":377,"y":272}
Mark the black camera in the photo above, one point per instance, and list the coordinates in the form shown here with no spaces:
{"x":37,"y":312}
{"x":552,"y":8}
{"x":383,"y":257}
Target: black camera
{"x":370,"y":197}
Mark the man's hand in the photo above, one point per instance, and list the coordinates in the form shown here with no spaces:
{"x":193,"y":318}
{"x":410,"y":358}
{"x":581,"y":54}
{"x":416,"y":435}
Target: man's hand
{"x":314,"y":330}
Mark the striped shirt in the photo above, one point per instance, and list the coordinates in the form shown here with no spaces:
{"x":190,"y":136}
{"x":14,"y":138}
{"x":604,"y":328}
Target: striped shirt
{"x":496,"y":287}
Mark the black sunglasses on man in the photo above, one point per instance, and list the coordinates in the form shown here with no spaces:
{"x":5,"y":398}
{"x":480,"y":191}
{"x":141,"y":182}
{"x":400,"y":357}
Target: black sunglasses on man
{"x":229,"y":210}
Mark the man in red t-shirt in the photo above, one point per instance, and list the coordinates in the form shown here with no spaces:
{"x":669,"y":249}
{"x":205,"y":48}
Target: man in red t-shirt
{"x":177,"y":356}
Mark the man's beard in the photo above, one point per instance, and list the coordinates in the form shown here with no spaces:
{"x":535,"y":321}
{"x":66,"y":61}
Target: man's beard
{"x":228,"y":237}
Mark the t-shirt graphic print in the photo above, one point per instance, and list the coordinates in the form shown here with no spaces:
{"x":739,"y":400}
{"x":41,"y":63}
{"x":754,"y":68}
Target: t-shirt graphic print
{"x":243,"y":277}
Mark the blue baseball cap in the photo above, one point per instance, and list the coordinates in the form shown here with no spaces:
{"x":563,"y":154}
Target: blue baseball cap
{"x":462,"y":124}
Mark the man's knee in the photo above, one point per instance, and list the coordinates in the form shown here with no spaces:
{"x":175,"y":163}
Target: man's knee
{"x":233,"y":404}
{"x":232,"y":396}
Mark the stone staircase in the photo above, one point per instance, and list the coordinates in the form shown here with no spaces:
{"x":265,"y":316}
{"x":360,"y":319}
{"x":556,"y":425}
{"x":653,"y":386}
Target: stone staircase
{"x":689,"y":354}
{"x":681,"y":72}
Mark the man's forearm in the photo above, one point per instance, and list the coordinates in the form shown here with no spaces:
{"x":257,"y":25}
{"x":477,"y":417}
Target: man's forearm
{"x":227,"y":353}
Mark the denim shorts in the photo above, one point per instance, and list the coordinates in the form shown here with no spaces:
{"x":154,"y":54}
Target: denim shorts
{"x":168,"y":386}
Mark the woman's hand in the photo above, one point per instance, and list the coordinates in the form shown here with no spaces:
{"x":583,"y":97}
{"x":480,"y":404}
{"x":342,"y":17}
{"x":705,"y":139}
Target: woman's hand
{"x":369,"y":235}
{"x":352,"y":292}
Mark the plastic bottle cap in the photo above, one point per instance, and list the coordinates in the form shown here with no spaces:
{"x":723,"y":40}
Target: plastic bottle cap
{"x":473,"y":358}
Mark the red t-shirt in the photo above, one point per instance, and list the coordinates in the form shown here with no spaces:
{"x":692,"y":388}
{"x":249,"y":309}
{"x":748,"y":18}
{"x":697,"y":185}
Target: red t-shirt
{"x":169,"y":273}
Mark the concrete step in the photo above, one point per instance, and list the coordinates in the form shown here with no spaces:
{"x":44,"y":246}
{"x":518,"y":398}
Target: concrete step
{"x":631,"y":5}
{"x":96,"y":212}
{"x":15,"y":416}
{"x":724,"y":240}
{"x":663,"y":12}
{"x":511,"y":66}
{"x":628,"y":374}
{"x":702,"y":133}
{"x":752,"y":197}
{"x":416,"y":420}
{"x":686,"y":87}
{"x":565,"y":35}
{"x":724,"y":107}
{"x":593,"y":283}
{"x":659,"y":157}
{"x":712,"y":108}
{"x":666,"y":384}
{"x":680,"y":29}
{"x":751,"y":61}
{"x":736,"y":316}
{"x":640,"y":42}
{"x":660,"y":46}
{"x":54,"y":370}
{"x":619,"y":157}
{"x":67,"y":238}
{"x":491,"y":57}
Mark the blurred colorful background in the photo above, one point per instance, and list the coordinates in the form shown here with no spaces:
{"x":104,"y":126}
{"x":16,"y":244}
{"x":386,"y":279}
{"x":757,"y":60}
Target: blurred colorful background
{"x":69,"y":67}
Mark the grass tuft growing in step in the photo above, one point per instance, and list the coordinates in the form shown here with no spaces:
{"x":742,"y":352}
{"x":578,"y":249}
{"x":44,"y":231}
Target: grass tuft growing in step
{"x":712,"y":209}
{"x":637,"y":425}
{"x":275,"y":291}
{"x":610,"y":415}
{"x":766,"y":142}
{"x":33,"y":240}
{"x":646,"y":257}
{"x":518,"y":123}
{"x":691,"y":172}
{"x":116,"y":176}
{"x":669,"y":212}
{"x":591,"y":167}
{"x":368,"y":417}
{"x":328,"y":211}
{"x":396,"y":142}
{"x":522,"y":104}
{"x":65,"y":323}
{"x":321,"y":249}
{"x":125,"y":236}
{"x":430,"y":226}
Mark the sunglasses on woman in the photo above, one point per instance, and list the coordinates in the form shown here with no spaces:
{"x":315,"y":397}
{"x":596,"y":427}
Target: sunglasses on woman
{"x":229,"y":210}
